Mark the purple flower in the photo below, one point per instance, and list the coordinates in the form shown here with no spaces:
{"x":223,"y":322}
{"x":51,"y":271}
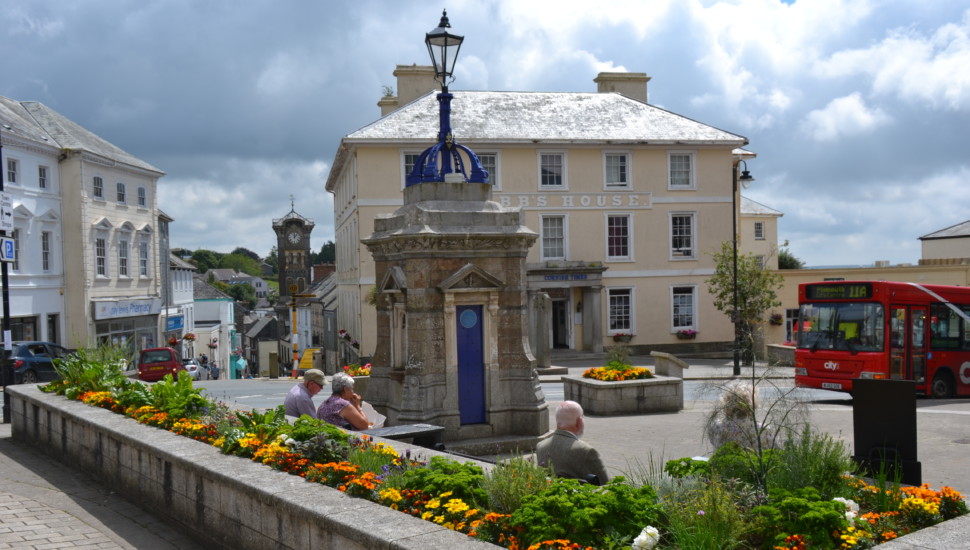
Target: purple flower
{"x":700,"y":512}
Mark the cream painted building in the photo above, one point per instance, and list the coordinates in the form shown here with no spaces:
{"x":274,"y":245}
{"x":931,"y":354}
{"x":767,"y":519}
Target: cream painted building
{"x":110,"y":241}
{"x":629,"y":200}
{"x":758,"y":231}
{"x":946,"y":244}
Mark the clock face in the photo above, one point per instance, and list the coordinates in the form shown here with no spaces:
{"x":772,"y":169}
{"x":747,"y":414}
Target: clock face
{"x":294,"y":237}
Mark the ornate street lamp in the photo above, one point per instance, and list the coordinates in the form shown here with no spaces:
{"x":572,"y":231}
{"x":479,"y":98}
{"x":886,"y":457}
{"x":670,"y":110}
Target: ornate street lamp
{"x":746,"y":178}
{"x":443,"y":46}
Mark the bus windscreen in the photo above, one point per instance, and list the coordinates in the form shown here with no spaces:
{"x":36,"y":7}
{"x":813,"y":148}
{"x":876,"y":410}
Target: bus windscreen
{"x":845,"y":326}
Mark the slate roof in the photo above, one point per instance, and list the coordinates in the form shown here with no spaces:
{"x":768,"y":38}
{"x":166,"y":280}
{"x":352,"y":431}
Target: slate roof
{"x":954,"y":231}
{"x":547,"y":118}
{"x":563,"y":117}
{"x":754,"y":208}
{"x":39,"y":122}
{"x":201,"y":290}
{"x":292,"y":215}
{"x":18,"y":122}
{"x":179,"y":263}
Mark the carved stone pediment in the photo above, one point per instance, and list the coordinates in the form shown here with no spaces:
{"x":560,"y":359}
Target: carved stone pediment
{"x":471,"y":277}
{"x":394,"y":280}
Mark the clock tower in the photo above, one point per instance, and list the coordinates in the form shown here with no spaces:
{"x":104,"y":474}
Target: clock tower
{"x":293,"y":249}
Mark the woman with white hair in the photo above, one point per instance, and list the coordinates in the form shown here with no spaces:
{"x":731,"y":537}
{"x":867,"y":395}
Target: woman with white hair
{"x":342,"y":408}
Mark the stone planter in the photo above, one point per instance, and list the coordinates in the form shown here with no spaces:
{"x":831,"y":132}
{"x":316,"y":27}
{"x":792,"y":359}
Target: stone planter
{"x":658,"y":394}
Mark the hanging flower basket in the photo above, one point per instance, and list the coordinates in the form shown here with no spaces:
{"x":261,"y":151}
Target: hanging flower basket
{"x":686,"y":334}
{"x":173,"y":341}
{"x":189,"y":336}
{"x":776,"y":319}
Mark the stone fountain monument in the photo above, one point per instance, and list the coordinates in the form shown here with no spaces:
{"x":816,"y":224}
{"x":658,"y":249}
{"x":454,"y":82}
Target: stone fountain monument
{"x":452,"y":308}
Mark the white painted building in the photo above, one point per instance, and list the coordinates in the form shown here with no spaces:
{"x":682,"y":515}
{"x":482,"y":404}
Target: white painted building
{"x":31,"y":177}
{"x":103,"y":252}
{"x":215,"y":324}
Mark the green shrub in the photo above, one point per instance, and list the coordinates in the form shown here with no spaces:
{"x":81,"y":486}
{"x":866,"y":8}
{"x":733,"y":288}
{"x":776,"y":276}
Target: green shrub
{"x":586,"y":514}
{"x":511,"y":481}
{"x":177,"y":397}
{"x":318,"y":441}
{"x":705,"y":517}
{"x":687,"y":467}
{"x":91,"y":369}
{"x":731,"y":461}
{"x":442,"y":475}
{"x":812,"y":459}
{"x":801,"y":511}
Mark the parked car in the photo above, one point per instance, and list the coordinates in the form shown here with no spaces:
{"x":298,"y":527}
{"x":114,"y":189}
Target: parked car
{"x":155,"y":363}
{"x":197,"y":371}
{"x":32,"y":362}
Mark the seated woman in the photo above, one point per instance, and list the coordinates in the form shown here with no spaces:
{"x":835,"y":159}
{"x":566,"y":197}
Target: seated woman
{"x":342,"y":408}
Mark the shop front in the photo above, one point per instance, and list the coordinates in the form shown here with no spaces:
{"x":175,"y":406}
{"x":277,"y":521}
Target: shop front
{"x":132,"y":324}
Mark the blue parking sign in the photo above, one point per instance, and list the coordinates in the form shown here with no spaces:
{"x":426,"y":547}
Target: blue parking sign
{"x":7,"y":249}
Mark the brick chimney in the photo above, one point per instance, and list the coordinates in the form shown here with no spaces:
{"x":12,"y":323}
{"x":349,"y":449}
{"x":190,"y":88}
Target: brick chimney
{"x":322,"y":270}
{"x":413,"y":81}
{"x":631,"y":85}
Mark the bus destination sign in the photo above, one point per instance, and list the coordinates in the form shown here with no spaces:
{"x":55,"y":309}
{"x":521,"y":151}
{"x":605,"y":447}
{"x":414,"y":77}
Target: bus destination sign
{"x":847,"y":291}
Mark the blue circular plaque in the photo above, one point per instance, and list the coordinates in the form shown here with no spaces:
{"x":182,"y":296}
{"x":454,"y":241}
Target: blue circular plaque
{"x":468,"y":318}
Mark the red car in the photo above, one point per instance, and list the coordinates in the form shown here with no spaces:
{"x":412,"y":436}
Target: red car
{"x":155,"y":363}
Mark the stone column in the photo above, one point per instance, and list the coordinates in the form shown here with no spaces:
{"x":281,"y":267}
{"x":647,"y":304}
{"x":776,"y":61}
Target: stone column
{"x":593,"y":317}
{"x":539,"y":307}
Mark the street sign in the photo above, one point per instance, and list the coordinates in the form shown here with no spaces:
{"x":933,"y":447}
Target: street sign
{"x":8,"y":252}
{"x":6,"y":212}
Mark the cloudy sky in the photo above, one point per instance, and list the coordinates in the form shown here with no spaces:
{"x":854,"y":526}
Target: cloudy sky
{"x":859,"y":110}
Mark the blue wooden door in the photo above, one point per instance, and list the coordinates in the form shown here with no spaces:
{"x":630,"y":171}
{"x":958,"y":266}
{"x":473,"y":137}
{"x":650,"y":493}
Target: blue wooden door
{"x":471,"y":365}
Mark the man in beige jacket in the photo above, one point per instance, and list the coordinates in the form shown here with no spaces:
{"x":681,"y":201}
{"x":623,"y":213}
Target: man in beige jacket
{"x":565,"y":453}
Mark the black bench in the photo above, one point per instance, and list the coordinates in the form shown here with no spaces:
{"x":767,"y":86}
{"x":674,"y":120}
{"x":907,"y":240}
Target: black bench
{"x":425,"y":435}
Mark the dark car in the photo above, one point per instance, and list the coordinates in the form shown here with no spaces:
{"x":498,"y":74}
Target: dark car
{"x":155,"y":363}
{"x":32,"y":362}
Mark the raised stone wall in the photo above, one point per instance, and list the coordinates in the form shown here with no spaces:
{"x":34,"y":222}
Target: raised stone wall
{"x":658,"y":394}
{"x":225,"y":501}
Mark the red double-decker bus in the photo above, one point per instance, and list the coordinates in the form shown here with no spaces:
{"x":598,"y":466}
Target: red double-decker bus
{"x":884,"y":330}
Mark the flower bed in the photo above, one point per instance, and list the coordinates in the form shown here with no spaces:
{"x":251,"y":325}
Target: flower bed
{"x":519,"y":505}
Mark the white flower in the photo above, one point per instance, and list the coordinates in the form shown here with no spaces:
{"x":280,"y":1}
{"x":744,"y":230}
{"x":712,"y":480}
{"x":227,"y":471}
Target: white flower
{"x":851,"y":508}
{"x":648,"y":538}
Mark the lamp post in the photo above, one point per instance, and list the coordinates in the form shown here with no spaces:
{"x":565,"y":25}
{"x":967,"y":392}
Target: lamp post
{"x":443,"y":46}
{"x":745,"y":179}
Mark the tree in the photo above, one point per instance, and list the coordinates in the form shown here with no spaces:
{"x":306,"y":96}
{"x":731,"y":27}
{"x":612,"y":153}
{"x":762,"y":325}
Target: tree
{"x":205,"y":259}
{"x":247,"y":252}
{"x":241,"y":263}
{"x":756,"y":294}
{"x":787,"y":260}
{"x":273,"y":260}
{"x":327,"y":255}
{"x":243,"y":292}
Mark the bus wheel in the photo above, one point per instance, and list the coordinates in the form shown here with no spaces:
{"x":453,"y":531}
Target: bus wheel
{"x":943,"y":386}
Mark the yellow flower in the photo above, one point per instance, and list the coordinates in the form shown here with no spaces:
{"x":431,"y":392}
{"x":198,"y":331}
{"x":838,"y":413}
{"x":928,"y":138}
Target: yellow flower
{"x":456,"y":506}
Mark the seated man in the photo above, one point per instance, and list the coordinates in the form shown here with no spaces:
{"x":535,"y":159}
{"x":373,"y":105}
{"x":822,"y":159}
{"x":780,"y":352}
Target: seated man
{"x":565,"y":453}
{"x":299,"y":400}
